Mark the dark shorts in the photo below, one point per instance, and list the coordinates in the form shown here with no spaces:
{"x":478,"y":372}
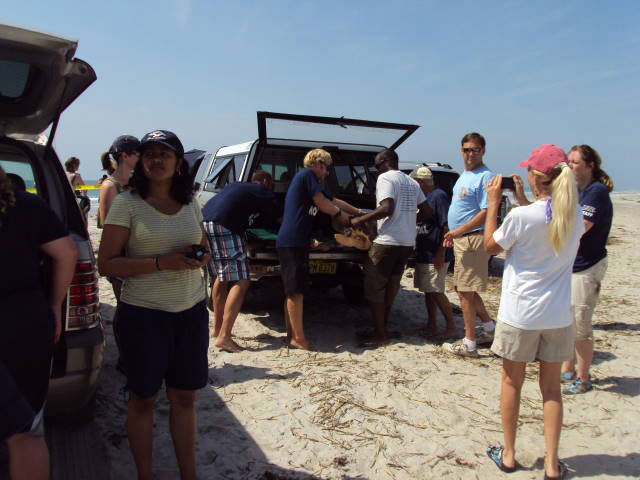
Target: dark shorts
{"x":383,"y":268}
{"x":16,"y":415}
{"x":294,"y":269}
{"x":26,"y":344}
{"x":158,"y":345}
{"x":229,"y":258}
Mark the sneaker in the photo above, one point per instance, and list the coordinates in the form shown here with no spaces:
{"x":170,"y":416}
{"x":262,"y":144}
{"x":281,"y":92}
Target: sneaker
{"x":460,"y":349}
{"x":483,"y":338}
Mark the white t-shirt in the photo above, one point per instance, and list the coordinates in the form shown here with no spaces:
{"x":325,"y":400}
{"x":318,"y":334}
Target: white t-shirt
{"x":399,"y":228}
{"x":536,"y":284}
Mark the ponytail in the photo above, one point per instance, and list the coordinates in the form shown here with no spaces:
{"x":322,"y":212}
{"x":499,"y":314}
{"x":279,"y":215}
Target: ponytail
{"x":564,"y":201}
{"x":603,"y":178}
{"x":107,"y":163}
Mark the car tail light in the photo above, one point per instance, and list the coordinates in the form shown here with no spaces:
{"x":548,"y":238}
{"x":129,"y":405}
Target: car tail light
{"x":82,"y":300}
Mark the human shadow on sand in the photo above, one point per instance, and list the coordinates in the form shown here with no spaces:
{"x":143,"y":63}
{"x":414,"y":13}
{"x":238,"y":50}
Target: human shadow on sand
{"x":629,"y":386}
{"x":594,"y":465}
{"x":617,"y":326}
{"x":230,"y":374}
{"x":236,"y":454}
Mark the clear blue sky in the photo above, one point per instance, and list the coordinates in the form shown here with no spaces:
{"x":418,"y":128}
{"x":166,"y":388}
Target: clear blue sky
{"x":521,"y":73}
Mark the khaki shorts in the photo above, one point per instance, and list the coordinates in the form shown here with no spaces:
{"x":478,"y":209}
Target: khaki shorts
{"x":383,"y":269}
{"x":471,"y":270}
{"x":585,"y":290}
{"x":518,"y":345}
{"x":429,"y":280}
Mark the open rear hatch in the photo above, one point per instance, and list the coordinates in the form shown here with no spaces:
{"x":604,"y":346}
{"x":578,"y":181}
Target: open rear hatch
{"x":275,"y":127}
{"x":39,"y":78}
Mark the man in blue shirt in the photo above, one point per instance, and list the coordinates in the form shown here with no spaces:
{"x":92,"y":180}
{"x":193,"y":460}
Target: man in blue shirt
{"x":466,"y":224}
{"x":305,"y":197}
{"x":432,"y":257}
{"x":226,"y":218}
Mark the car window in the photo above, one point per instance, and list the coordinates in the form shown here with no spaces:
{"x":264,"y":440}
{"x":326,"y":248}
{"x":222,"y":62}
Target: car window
{"x":14,"y":77}
{"x":354,"y":179}
{"x":204,"y":165}
{"x":20,"y":170}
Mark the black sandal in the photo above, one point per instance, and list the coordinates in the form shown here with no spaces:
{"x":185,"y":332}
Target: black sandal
{"x":562,"y":469}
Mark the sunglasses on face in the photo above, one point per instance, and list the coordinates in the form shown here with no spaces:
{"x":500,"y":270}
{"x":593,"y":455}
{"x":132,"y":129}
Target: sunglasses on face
{"x":475,"y":150}
{"x":379,"y":165}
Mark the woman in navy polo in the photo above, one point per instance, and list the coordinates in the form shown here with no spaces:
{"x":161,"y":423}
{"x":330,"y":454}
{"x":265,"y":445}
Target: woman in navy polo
{"x":590,"y":265}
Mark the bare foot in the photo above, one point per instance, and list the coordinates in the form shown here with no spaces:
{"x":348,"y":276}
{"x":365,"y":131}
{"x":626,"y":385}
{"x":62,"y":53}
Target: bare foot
{"x":227,"y":345}
{"x":303,"y":345}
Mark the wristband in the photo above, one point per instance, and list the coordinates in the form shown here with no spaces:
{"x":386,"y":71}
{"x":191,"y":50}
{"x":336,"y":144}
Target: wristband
{"x":158,"y":263}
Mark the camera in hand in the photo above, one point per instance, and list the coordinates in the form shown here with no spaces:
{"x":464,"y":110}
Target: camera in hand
{"x":197,"y":252}
{"x":507,"y":183}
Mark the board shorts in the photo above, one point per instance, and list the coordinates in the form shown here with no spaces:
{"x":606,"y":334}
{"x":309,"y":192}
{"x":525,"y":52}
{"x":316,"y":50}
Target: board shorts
{"x":229,"y":261}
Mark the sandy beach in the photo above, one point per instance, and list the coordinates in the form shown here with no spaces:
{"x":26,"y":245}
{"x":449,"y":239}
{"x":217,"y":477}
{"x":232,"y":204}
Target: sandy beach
{"x":405,"y":411}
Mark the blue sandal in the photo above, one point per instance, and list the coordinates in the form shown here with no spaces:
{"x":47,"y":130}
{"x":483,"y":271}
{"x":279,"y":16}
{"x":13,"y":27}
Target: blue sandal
{"x":494,"y":452}
{"x":566,"y":377}
{"x":577,"y":386}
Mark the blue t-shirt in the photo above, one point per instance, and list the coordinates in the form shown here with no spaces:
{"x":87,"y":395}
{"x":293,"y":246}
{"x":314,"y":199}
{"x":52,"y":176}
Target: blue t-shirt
{"x":598,"y":209}
{"x":430,"y":233}
{"x":469,"y":196}
{"x":299,"y":210}
{"x":240,"y":205}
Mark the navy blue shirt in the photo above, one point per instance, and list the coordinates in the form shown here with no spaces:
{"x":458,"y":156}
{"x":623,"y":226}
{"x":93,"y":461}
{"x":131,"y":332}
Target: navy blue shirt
{"x":598,"y":209}
{"x":430,"y":233}
{"x":299,"y":210}
{"x":240,"y":205}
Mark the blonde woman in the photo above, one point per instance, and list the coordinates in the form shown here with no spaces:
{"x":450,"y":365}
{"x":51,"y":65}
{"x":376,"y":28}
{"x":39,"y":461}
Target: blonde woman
{"x":534,"y":319}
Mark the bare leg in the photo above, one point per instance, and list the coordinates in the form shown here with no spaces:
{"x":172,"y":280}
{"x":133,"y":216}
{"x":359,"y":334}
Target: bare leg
{"x":287,"y":322}
{"x":182,"y":421}
{"x":219,"y":293}
{"x":570,"y":366}
{"x":468,"y":306}
{"x":295,"y":311}
{"x":430,"y":303}
{"x":584,"y":356}
{"x":445,"y":307}
{"x":379,"y":314}
{"x":28,"y":457}
{"x":481,"y":311}
{"x":552,"y":411}
{"x":232,"y":307}
{"x":139,"y":426}
{"x":512,"y":380}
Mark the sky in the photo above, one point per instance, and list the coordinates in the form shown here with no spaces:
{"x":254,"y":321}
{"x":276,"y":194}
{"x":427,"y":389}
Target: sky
{"x":521,"y":73}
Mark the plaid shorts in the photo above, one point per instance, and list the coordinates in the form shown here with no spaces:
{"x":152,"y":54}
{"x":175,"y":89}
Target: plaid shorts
{"x":228,"y":253}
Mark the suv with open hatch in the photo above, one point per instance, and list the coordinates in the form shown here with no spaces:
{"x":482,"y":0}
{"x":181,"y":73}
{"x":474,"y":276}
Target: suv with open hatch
{"x":39,"y":79}
{"x":283,"y":140}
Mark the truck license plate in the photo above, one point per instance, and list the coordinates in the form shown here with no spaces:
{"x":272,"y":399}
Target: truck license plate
{"x":323,"y":268}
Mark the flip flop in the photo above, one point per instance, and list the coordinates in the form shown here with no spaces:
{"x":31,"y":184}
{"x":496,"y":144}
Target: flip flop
{"x":562,"y":469}
{"x":494,"y":452}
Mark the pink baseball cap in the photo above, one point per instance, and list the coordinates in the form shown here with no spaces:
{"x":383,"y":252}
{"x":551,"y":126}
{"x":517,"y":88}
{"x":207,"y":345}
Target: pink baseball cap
{"x":544,"y":158}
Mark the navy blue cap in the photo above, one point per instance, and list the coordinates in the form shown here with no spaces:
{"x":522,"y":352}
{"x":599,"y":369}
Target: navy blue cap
{"x":125,"y":143}
{"x":166,"y":138}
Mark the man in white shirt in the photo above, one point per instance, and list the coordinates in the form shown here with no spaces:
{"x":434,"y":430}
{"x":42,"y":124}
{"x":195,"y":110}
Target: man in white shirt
{"x":398,"y":198}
